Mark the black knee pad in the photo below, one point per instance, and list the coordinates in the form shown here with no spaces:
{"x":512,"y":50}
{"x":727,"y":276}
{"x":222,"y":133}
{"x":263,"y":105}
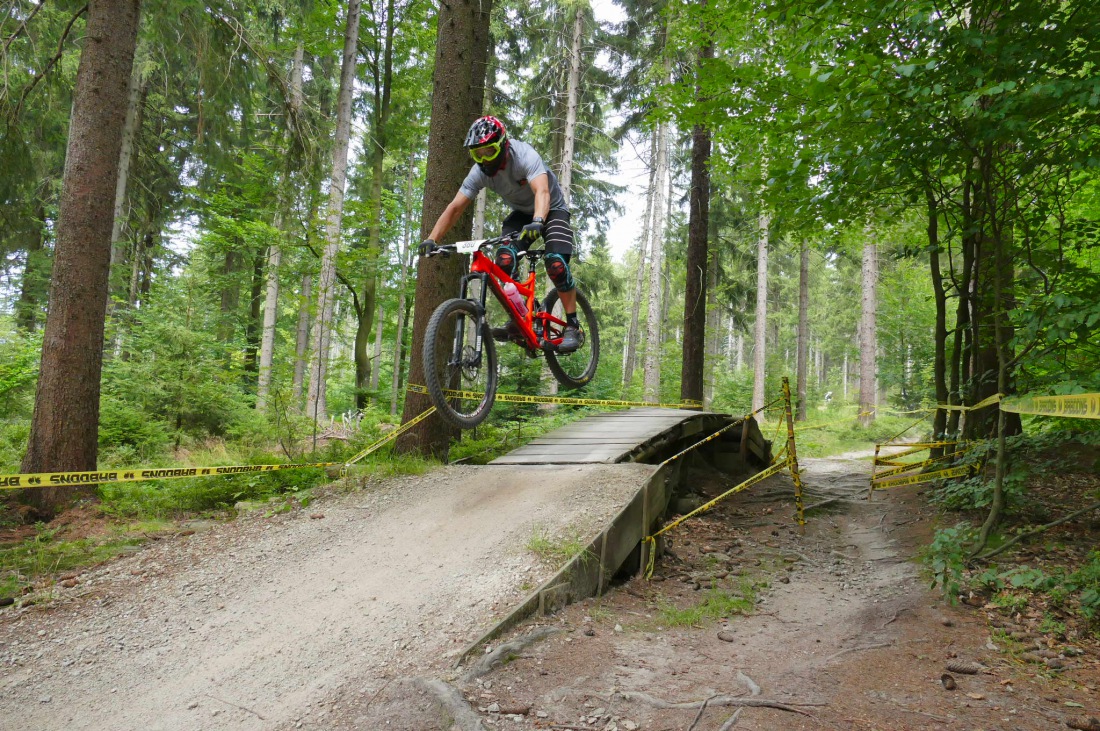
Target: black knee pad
{"x":557,"y":268}
{"x":506,"y":260}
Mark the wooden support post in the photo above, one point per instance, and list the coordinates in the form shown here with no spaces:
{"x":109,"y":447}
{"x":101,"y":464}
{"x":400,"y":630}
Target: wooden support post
{"x":643,"y":548}
{"x":874,"y":467}
{"x":792,"y":456}
{"x":603,"y":565}
{"x":745,"y":441}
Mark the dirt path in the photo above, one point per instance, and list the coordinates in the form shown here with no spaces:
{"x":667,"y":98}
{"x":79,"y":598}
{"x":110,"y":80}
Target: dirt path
{"x":255,"y":623}
{"x":844,"y":629}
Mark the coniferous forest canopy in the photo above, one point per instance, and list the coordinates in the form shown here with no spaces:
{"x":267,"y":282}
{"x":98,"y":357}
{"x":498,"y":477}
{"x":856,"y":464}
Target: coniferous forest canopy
{"x":209,"y":213}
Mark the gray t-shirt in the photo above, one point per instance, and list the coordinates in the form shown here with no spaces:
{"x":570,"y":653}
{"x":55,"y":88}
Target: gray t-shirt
{"x":510,"y":182}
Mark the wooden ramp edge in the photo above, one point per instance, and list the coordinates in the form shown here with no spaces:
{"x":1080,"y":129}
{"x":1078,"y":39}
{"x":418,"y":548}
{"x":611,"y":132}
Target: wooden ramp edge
{"x":741,"y":449}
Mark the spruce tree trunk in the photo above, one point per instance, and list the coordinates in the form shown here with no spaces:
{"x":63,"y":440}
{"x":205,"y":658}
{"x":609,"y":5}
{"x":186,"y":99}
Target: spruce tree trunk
{"x":379,"y":316}
{"x":255,"y":314}
{"x":695,"y":295}
{"x":653,"y":300}
{"x":939,"y":363}
{"x":398,"y":338}
{"x":366,"y":367}
{"x":64,"y":428}
{"x":274,"y":253}
{"x":32,"y":284}
{"x":301,"y":341}
{"x":759,"y":360}
{"x":130,"y":128}
{"x":572,"y":86}
{"x":868,"y":336}
{"x":714,"y":330}
{"x":458,"y":91}
{"x":271,"y":315}
{"x":316,"y":404}
{"x":639,"y":274}
{"x":803,"y":327}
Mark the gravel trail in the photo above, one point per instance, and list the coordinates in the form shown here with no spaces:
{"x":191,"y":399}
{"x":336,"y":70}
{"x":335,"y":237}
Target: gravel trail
{"x":251,"y":624}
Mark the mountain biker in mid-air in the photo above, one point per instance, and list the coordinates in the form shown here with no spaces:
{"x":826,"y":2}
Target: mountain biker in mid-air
{"x":518,"y":174}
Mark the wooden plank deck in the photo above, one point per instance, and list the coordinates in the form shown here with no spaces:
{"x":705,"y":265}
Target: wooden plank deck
{"x":602,"y":438}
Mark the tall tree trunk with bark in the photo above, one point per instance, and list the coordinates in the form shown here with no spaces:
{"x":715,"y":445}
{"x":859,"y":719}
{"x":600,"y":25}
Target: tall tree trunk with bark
{"x":695,"y":295}
{"x":134,"y":103}
{"x":383,"y":78}
{"x":271,"y":315}
{"x":458,"y":91}
{"x":759,"y":361}
{"x":65,"y":425}
{"x":301,"y":340}
{"x":939,"y":362}
{"x":255,"y":314}
{"x":639,"y":274}
{"x":868,"y":336}
{"x":802,"y":365}
{"x":653,"y":314}
{"x":403,"y":283}
{"x":316,"y":404}
{"x":274,"y":252}
{"x":32,"y":287}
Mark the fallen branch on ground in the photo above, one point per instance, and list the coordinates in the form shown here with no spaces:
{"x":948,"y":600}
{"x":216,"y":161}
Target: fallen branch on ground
{"x":1037,"y":531}
{"x":876,"y":646}
{"x":721,"y":700}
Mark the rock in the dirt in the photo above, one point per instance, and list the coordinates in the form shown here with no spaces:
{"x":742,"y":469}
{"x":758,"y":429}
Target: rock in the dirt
{"x":515,"y":709}
{"x":590,"y":632}
{"x":1084,"y":723}
{"x":629,"y":725}
{"x":45,"y":699}
{"x":963,"y":667}
{"x":1055,"y":663}
{"x":493,"y":708}
{"x":726,"y":635}
{"x":948,"y":681}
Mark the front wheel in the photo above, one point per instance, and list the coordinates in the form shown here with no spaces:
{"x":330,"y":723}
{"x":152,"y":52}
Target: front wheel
{"x":455,"y":361}
{"x":574,"y":370}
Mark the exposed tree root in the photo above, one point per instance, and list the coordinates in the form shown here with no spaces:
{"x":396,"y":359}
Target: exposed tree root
{"x":452,"y":701}
{"x":500,"y":655}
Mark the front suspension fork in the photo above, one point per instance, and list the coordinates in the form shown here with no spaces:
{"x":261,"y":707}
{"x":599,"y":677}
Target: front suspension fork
{"x":460,"y":330}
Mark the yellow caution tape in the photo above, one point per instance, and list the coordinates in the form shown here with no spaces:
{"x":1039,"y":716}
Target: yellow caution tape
{"x":810,"y":427}
{"x":980,"y":405}
{"x":965,"y":470}
{"x":388,"y":438}
{"x":1077,"y":406}
{"x":55,"y":479}
{"x":758,"y":477}
{"x":701,"y":442}
{"x":909,"y":466}
{"x":519,"y":398}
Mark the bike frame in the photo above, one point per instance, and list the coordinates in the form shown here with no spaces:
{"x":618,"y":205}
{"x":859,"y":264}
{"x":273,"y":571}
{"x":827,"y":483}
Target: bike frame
{"x":533,"y":325}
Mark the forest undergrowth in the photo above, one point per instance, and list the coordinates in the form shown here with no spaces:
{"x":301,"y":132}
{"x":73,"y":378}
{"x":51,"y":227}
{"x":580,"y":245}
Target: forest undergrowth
{"x":1037,"y":575}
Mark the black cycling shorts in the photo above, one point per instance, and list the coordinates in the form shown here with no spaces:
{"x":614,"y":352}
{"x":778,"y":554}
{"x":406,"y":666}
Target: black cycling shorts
{"x":556,"y":232}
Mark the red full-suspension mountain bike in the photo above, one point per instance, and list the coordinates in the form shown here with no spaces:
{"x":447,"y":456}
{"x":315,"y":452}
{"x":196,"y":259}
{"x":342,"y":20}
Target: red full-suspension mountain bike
{"x":460,"y":359}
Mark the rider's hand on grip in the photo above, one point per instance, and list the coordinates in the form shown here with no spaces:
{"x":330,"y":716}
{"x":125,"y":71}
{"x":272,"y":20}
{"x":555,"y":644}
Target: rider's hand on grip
{"x":532,"y":231}
{"x":429,"y":248}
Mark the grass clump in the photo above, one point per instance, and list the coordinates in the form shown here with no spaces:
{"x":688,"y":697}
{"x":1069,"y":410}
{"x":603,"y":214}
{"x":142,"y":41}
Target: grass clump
{"x":717,"y":603}
{"x":556,"y":549}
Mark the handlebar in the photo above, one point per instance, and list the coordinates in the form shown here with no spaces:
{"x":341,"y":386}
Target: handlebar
{"x":448,"y":249}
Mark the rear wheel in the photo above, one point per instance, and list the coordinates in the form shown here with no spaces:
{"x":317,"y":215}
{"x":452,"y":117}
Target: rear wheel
{"x":453,"y":362}
{"x":576,"y":369}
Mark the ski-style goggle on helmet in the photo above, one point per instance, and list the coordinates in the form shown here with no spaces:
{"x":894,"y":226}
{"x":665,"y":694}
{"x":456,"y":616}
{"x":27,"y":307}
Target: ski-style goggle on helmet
{"x":485,"y":139}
